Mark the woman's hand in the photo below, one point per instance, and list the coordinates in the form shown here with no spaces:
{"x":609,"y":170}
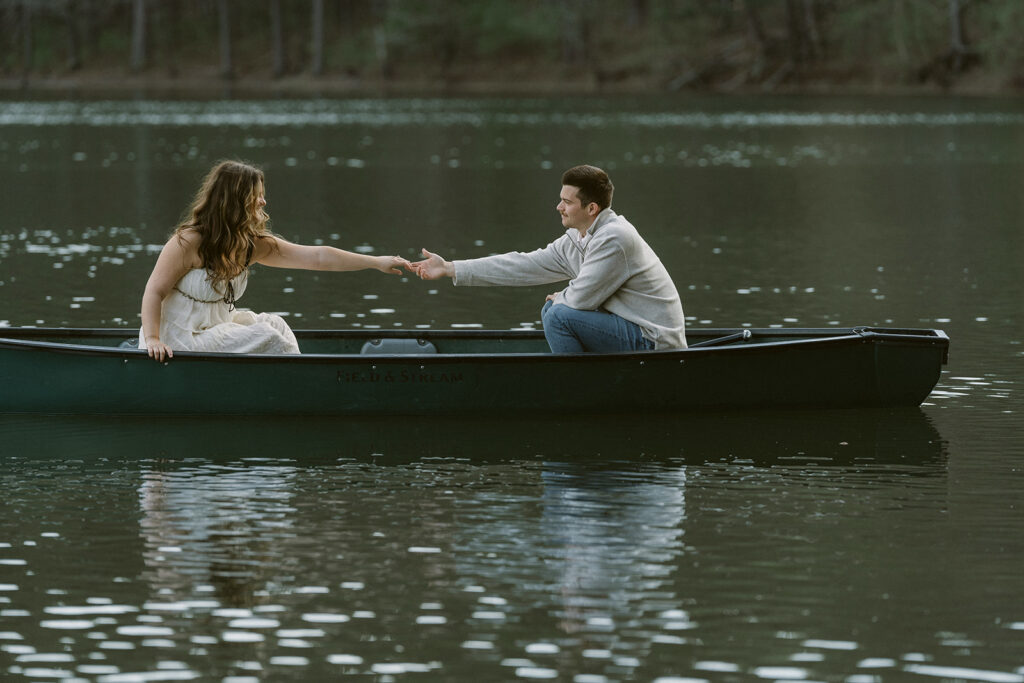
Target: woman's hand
{"x":393,"y":264}
{"x":158,"y":350}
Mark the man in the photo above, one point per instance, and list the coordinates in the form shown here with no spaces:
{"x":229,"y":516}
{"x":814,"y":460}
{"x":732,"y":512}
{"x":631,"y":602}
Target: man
{"x":619,"y":297}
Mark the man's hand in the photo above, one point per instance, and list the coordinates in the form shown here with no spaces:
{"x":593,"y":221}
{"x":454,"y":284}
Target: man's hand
{"x":433,"y":267}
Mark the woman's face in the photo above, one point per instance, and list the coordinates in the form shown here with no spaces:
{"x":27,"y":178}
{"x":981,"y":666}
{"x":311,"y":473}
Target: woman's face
{"x":261,"y":201}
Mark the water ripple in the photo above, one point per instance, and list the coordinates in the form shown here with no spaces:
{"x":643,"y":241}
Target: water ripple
{"x":454,"y":112}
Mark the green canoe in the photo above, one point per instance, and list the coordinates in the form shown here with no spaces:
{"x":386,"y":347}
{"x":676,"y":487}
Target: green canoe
{"x":446,"y":372}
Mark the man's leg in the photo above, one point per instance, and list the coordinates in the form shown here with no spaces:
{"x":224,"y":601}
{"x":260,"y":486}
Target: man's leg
{"x":569,"y":330}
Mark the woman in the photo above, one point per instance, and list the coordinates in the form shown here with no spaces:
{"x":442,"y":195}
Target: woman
{"x":189,"y":302}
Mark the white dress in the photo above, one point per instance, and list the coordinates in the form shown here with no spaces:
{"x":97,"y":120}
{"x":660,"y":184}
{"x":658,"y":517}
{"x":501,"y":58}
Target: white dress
{"x":197,"y":317}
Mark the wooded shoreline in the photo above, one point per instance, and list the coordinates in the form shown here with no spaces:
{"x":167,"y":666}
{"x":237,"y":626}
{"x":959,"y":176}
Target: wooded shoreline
{"x":106,"y":85}
{"x":517,"y":47}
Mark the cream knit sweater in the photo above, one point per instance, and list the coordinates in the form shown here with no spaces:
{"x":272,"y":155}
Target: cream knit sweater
{"x":612,"y":268}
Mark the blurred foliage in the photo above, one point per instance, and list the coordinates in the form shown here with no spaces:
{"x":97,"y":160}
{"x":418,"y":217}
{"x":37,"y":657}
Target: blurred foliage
{"x":644,"y":44}
{"x":1000,"y":34}
{"x":470,"y":29}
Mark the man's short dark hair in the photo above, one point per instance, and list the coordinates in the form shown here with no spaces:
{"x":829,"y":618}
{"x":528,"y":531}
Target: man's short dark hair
{"x":593,"y":184}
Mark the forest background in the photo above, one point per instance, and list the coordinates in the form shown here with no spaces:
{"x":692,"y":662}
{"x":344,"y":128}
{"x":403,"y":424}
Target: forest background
{"x":514,"y":46}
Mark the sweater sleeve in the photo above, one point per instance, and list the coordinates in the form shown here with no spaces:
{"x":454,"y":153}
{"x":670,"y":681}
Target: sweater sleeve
{"x":515,"y":268}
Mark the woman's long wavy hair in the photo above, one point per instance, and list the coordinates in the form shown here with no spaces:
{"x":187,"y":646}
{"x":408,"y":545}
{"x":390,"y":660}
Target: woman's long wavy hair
{"x":228,"y":218}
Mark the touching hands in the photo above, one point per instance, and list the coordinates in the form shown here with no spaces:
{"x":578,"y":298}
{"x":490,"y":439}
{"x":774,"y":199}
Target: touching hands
{"x":433,"y":267}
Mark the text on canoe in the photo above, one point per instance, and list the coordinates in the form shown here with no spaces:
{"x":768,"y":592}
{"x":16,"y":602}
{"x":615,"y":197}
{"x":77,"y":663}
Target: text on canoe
{"x":399,"y":377}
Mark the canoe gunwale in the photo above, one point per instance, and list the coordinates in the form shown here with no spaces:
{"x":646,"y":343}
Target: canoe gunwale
{"x":801,"y":337}
{"x":883,"y":335}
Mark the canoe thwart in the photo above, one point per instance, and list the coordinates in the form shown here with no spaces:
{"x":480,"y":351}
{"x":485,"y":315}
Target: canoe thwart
{"x":736,"y":336}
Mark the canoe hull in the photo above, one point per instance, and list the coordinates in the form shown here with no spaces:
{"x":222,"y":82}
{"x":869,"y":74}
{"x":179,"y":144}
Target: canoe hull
{"x":801,"y":368}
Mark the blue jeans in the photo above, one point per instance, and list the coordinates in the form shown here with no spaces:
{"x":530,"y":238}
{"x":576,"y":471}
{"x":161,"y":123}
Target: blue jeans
{"x":569,"y":330}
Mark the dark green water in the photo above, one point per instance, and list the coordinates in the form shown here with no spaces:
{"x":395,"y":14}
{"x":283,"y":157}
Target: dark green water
{"x":845,"y":546}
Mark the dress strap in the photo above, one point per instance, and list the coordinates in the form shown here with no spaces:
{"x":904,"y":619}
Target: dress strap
{"x":229,"y":298}
{"x":200,"y":301}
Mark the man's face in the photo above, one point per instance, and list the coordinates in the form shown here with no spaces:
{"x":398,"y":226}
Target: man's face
{"x":574,"y":214}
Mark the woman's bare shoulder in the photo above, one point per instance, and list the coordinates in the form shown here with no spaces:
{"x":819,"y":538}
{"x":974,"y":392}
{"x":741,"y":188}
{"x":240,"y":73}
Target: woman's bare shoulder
{"x":188,"y":236}
{"x":186,"y":243}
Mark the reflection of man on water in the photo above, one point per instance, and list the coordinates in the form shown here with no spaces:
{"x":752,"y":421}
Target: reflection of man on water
{"x":608,"y":542}
{"x":620,"y":297}
{"x":619,"y":537}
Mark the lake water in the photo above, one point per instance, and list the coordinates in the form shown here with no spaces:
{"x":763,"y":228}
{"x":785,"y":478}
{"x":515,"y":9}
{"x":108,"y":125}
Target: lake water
{"x":848,"y":546}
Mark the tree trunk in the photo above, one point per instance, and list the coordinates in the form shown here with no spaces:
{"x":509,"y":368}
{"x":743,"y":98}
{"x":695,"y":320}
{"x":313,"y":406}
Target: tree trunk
{"x":637,"y":14}
{"x":756,"y":31}
{"x":74,"y":37}
{"x":318,"y":38}
{"x":756,"y":28}
{"x":166,"y":20}
{"x":957,"y":44}
{"x":138,"y":35}
{"x":381,"y":10}
{"x":26,"y":39}
{"x":227,"y":69}
{"x":277,"y":39}
{"x":813,"y":33}
{"x":795,"y":31}
{"x":88,"y":16}
{"x":958,"y":58}
{"x":899,"y":21}
{"x":574,"y":33}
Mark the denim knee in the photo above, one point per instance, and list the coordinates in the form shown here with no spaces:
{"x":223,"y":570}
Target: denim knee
{"x":545,"y":310}
{"x":552,"y":311}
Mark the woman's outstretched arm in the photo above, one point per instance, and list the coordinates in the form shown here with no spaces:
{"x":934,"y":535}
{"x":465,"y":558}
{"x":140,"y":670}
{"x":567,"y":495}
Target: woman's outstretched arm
{"x":279,"y":253}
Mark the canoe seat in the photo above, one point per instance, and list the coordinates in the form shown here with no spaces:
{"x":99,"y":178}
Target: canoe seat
{"x":414,"y":347}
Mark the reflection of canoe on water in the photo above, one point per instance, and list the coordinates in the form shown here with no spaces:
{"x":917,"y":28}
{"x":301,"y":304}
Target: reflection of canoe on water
{"x":893,"y":436}
{"x":439,"y":372}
